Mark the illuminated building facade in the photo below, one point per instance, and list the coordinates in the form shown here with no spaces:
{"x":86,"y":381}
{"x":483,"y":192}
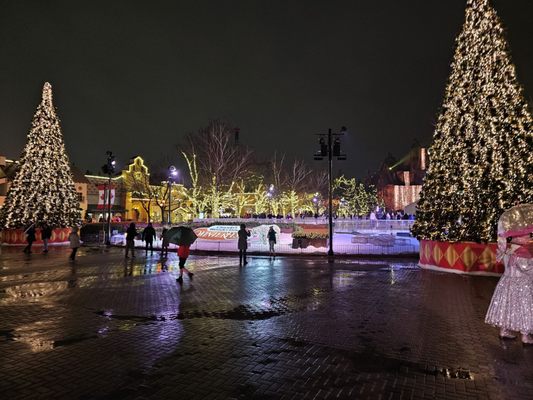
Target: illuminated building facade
{"x":399,"y":182}
{"x":135,"y":195}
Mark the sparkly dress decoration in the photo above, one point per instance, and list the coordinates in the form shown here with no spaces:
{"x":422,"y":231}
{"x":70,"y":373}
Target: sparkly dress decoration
{"x":511,"y":306}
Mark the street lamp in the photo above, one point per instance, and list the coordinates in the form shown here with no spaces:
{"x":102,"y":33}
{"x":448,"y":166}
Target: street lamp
{"x":172,"y":174}
{"x":343,"y":205}
{"x":330,"y":149}
{"x":109,"y":169}
{"x":270,"y":194}
{"x":316,"y":202}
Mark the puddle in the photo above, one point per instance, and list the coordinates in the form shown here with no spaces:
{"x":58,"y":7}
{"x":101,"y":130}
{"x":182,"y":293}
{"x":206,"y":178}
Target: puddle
{"x":264,"y":309}
{"x":132,"y":318}
{"x":8,"y":335}
{"x":73,"y":340}
{"x":453,"y":373}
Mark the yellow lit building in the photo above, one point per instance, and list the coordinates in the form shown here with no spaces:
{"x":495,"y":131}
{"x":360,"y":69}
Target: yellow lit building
{"x":137,"y":198}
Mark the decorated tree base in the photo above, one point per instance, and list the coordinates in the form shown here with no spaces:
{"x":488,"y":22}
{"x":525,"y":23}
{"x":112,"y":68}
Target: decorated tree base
{"x":17,"y":237}
{"x":460,"y":257}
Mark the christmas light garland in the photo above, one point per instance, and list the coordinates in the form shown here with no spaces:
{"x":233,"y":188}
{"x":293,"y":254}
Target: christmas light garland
{"x":43,"y":189}
{"x":481,"y":160}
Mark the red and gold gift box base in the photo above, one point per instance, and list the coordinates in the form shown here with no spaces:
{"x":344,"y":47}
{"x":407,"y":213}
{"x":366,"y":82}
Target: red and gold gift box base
{"x":460,"y":257}
{"x":17,"y":237}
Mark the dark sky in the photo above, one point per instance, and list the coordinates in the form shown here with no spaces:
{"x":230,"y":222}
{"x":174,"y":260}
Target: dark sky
{"x":136,"y":76}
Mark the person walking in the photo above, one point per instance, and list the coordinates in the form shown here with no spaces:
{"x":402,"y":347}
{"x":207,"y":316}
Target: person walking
{"x":46,"y":235}
{"x":148,"y":236}
{"x":183,"y":254}
{"x":131,"y":232}
{"x":242,"y":245}
{"x":164,"y":243}
{"x":30,"y":237}
{"x":271,"y":235}
{"x":74,"y":240}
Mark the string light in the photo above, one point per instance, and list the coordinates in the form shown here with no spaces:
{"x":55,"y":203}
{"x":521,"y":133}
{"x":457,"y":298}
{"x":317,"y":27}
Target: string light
{"x":43,"y":189}
{"x":482,"y":154}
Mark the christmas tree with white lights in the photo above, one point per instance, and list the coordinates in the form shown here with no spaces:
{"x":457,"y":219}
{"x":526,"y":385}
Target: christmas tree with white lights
{"x":43,"y":189}
{"x":481,"y":159}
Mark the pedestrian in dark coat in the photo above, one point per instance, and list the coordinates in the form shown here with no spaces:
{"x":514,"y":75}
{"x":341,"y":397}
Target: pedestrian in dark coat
{"x":130,"y":240}
{"x":46,"y":235}
{"x":74,"y":241}
{"x":271,"y":235}
{"x":164,"y":243}
{"x":242,"y":245}
{"x":30,"y":237}
{"x":148,"y":236}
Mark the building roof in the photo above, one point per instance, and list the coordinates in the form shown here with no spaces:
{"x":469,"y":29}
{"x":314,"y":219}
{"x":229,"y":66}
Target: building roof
{"x":392,"y":171}
{"x":77,"y":175}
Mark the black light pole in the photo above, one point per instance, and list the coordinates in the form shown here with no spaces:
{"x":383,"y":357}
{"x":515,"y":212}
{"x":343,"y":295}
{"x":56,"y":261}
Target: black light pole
{"x":109,"y":169}
{"x":331,"y":149}
{"x":169,"y":200}
{"x":330,"y":194}
{"x":172,"y":173}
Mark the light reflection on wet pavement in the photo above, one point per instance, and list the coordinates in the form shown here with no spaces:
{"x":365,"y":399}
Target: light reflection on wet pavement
{"x":105,"y":327}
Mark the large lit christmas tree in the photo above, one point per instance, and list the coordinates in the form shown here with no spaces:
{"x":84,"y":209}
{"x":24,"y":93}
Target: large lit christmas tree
{"x":481,"y":159}
{"x":43,"y":189}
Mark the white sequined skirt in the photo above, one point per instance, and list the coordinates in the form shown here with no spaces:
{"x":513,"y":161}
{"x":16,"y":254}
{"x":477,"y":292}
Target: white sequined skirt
{"x":511,"y":306}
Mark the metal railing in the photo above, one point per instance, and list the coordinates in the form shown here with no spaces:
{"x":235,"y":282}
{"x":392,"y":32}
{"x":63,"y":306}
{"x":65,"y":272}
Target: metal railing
{"x":344,"y":249}
{"x":339,"y":224}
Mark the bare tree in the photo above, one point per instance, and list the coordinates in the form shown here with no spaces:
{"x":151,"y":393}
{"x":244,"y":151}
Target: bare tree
{"x":277,"y":170}
{"x":218,"y":154}
{"x":296,"y":178}
{"x":318,"y":182}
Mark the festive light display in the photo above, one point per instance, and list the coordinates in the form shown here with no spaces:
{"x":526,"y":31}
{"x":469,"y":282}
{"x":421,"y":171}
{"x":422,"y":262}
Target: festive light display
{"x":481,"y":159}
{"x":43,"y":189}
{"x":355,"y":197}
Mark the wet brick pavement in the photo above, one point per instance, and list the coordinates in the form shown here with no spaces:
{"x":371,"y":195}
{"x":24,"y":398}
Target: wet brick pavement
{"x":106,"y":328}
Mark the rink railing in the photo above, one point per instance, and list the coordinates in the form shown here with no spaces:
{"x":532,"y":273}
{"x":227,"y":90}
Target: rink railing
{"x":229,"y":246}
{"x":339,"y":224}
{"x":345,"y":249}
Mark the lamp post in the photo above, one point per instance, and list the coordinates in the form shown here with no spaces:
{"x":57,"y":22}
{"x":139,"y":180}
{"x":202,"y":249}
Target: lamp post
{"x":342,"y":205}
{"x":109,"y":168}
{"x":330,"y":149}
{"x":270,"y":194}
{"x":172,"y":174}
{"x":315,"y":201}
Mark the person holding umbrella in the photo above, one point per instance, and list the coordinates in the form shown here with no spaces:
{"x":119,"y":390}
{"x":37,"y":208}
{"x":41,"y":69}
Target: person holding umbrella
{"x":184,"y":237}
{"x":183,"y":254}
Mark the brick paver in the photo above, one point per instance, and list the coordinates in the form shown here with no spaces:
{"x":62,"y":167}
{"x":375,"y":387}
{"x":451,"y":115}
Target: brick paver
{"x":106,"y":328}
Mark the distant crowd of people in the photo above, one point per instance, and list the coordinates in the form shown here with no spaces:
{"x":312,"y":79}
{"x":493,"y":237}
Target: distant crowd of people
{"x":379,"y":215}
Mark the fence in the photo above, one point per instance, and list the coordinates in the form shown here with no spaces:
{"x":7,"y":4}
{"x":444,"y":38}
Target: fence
{"x":343,"y":248}
{"x":346,"y":225}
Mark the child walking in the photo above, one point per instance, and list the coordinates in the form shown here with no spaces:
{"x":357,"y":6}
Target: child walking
{"x":183,"y":254}
{"x":74,"y":240}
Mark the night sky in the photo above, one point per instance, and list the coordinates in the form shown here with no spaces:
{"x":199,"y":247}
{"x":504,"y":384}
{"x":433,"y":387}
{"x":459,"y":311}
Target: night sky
{"x":134,"y":77}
